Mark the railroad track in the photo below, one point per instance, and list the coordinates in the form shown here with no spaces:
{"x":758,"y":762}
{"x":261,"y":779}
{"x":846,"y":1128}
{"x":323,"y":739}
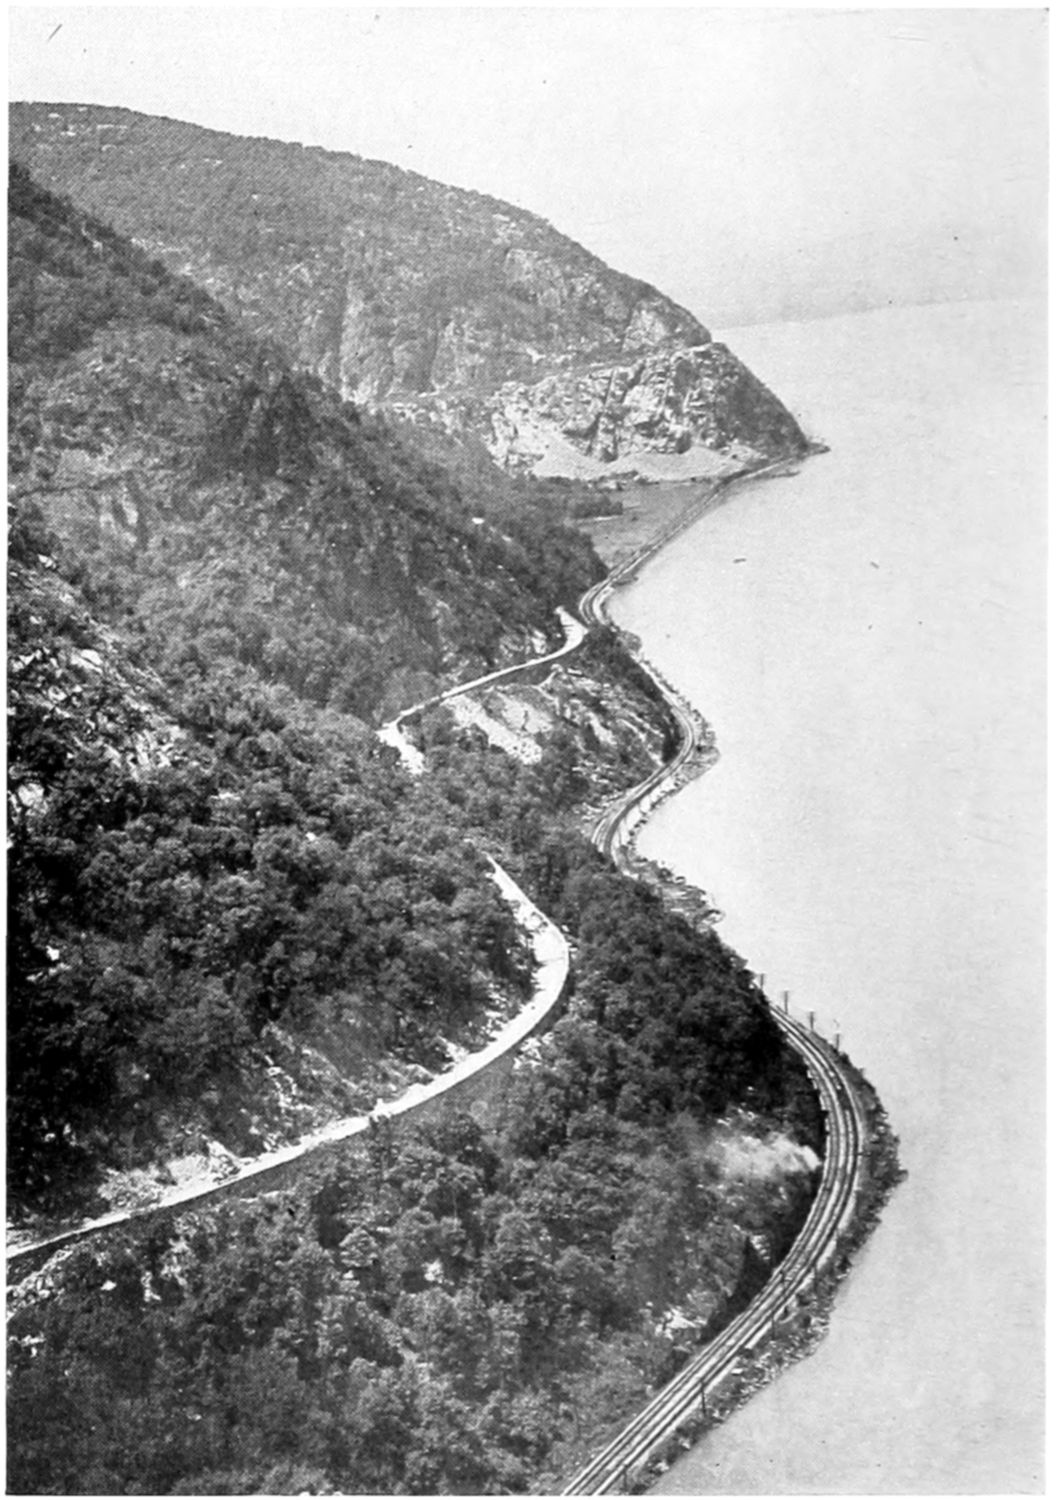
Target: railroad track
{"x":612,"y":829}
{"x":611,"y":832}
{"x":818,"y":1242}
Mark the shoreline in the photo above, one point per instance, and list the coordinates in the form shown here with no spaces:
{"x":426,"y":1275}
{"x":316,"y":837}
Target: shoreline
{"x":715,"y":491}
{"x":688,"y":1408}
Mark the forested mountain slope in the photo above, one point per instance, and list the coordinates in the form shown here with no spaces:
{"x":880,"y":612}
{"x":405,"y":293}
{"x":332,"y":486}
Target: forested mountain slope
{"x":214,"y":566}
{"x":400,"y":290}
{"x":237,"y":507}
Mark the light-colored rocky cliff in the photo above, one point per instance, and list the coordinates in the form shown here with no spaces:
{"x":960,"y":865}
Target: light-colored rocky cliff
{"x":405,"y":293}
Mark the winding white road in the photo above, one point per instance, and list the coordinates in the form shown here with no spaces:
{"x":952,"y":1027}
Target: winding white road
{"x":550,"y":949}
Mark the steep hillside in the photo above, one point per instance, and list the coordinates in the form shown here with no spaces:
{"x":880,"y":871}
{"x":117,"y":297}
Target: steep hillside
{"x":402,"y":291}
{"x":239,"y":507}
{"x":214,"y":566}
{"x":205,"y":880}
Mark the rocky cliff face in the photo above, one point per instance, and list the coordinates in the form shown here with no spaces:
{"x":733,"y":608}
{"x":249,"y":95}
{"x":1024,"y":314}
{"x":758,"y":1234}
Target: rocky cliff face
{"x":189,"y":465}
{"x":697,"y":407}
{"x":402,"y":292}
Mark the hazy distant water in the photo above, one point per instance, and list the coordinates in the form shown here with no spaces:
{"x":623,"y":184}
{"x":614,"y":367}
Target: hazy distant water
{"x":874,"y":833}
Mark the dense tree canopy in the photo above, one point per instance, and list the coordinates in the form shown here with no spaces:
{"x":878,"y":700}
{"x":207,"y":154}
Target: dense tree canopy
{"x":188,"y":865}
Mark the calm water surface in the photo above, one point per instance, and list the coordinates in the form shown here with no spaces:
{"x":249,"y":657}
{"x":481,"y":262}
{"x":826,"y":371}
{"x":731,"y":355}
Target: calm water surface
{"x":867,"y":640}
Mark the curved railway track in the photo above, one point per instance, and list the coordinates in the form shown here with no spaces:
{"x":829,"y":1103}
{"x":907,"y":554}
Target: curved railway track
{"x":818,"y":1242}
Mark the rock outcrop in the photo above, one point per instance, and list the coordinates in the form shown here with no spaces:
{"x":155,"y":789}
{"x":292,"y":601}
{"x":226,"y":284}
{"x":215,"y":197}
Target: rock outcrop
{"x":666,"y":403}
{"x":402,"y":292}
{"x":155,"y":436}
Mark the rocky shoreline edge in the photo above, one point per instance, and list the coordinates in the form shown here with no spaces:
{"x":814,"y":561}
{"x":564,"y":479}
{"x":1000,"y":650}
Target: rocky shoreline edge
{"x":803,"y":1332}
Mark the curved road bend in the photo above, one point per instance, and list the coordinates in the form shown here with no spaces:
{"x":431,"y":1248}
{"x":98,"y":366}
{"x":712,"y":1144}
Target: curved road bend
{"x":552,"y":959}
{"x":392,"y":732}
